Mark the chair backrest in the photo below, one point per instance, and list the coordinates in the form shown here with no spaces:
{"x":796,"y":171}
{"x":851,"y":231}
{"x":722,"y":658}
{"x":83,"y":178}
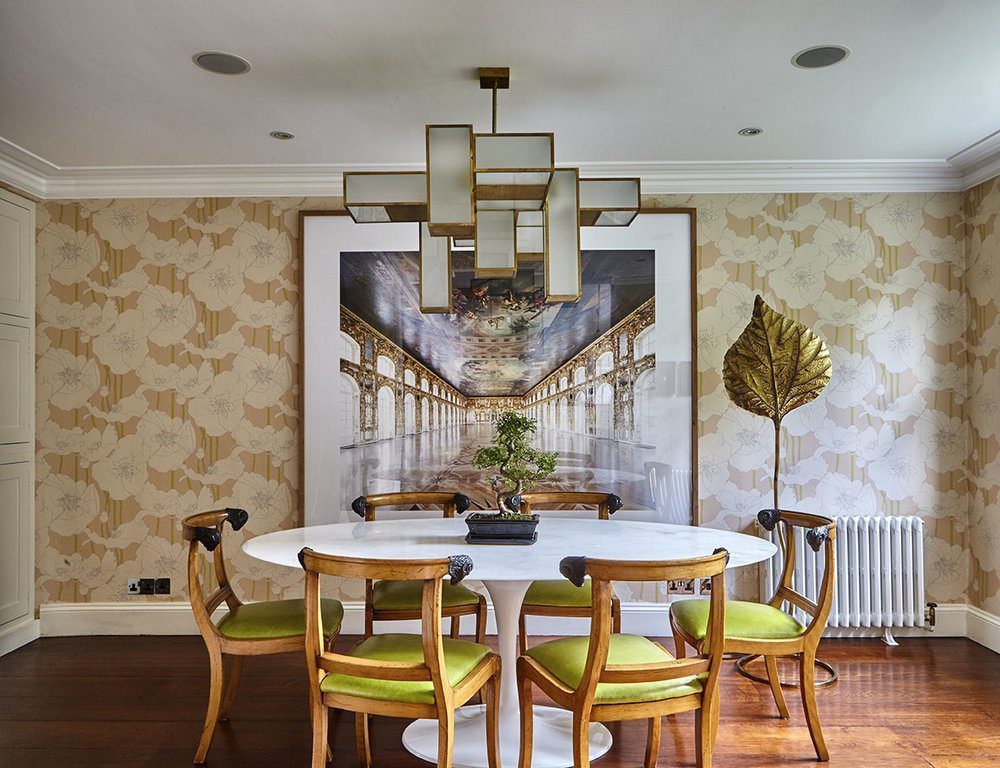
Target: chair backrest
{"x":671,"y":491}
{"x":205,"y":530}
{"x":450,"y":503}
{"x":822,"y":534}
{"x":322,"y":662}
{"x":607,"y":503}
{"x":602,"y":573}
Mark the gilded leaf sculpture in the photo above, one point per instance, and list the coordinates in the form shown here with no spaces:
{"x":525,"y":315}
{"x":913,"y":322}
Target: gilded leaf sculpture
{"x":775,"y":366}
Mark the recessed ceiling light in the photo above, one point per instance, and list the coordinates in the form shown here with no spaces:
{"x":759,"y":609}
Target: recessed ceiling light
{"x":820,"y":56}
{"x":281,"y":135}
{"x":222,"y":63}
{"x":750,"y":131}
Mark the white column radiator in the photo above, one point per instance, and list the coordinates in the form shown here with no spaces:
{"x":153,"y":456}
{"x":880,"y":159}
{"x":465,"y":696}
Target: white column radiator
{"x":880,"y":573}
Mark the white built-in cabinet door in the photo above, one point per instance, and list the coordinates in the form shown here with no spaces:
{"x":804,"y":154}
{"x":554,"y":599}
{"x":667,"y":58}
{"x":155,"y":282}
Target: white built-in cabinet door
{"x":16,"y":254}
{"x":17,"y":440}
{"x":16,"y":373}
{"x":15,"y":541}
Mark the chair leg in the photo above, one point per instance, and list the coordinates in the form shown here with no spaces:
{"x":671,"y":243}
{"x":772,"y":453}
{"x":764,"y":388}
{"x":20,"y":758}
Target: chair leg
{"x":772,"y":675}
{"x":361,"y":737}
{"x":369,"y":621}
{"x":522,"y":635}
{"x":320,"y":728}
{"x":235,"y":671}
{"x":481,"y":621}
{"x":703,"y":738}
{"x":527,"y":715}
{"x":616,"y":616}
{"x":492,"y":700}
{"x":581,"y":741}
{"x":807,"y":685}
{"x":652,"y":742}
{"x":680,"y":648}
{"x":214,"y":704}
{"x":456,"y":627}
{"x":446,"y":738}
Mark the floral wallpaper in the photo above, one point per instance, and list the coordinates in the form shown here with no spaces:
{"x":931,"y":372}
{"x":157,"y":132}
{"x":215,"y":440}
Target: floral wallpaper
{"x":168,"y":376}
{"x":881,"y":278}
{"x":983,"y":254}
{"x":167,"y":383}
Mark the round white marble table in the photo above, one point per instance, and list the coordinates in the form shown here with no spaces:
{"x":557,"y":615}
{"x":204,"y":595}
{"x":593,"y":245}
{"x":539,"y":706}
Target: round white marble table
{"x":507,"y":571}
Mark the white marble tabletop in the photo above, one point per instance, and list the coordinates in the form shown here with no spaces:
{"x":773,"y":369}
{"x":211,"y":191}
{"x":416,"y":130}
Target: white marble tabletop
{"x":557,"y":538}
{"x":507,"y":572}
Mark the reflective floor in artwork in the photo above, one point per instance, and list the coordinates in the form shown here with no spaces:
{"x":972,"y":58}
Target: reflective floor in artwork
{"x":442,"y":460}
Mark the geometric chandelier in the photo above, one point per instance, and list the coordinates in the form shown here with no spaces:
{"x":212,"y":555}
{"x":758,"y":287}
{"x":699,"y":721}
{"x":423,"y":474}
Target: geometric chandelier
{"x":499,"y":195}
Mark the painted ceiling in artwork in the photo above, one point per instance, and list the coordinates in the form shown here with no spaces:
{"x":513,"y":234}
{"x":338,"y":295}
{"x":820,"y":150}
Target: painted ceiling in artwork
{"x":501,"y":338}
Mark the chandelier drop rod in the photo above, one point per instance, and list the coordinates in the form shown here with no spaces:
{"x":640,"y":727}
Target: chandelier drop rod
{"x":494,"y":109}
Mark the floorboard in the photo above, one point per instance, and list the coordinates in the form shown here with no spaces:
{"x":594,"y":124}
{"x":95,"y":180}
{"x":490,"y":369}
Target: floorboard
{"x":139,"y":701}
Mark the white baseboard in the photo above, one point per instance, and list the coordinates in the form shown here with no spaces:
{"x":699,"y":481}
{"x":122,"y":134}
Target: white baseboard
{"x":18,"y":633}
{"x":175,"y":618}
{"x":984,"y":628}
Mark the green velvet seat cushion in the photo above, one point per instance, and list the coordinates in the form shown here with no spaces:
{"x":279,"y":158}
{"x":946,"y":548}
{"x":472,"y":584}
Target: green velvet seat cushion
{"x":752,"y":621}
{"x":566,"y":658}
{"x":277,"y":618}
{"x":559,"y":593}
{"x":460,"y":658}
{"x":409,"y":595}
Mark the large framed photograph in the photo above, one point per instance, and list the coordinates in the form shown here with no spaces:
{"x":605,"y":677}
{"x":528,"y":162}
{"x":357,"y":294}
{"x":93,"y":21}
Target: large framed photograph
{"x":396,"y":399}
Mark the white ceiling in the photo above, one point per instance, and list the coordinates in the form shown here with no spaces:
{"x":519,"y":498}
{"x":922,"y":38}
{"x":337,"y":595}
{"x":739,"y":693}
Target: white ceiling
{"x":110,"y":83}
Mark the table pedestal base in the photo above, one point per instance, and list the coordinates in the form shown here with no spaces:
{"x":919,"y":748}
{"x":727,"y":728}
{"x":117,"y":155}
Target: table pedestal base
{"x":551,"y":745}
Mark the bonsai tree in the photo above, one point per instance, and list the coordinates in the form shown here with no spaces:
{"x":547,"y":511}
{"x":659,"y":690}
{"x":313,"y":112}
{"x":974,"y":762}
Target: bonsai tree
{"x":518,"y":465}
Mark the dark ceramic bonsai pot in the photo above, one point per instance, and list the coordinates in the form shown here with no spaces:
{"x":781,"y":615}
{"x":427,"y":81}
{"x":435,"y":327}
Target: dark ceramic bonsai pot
{"x":501,"y":528}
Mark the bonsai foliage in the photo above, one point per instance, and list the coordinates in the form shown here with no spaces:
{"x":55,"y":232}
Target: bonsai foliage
{"x":518,"y":465}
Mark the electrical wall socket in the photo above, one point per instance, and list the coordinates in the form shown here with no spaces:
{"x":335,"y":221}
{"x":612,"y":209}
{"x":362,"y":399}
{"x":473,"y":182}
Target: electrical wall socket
{"x":680,"y":587}
{"x":148,"y":587}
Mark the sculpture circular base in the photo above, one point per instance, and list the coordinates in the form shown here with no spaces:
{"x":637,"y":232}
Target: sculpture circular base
{"x":551,"y":745}
{"x":832,"y":673}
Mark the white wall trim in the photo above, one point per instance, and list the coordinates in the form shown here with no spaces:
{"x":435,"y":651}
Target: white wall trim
{"x":978,"y":162}
{"x":983,"y":627}
{"x":37,"y":176}
{"x":175,"y":618}
{"x":18,"y":633}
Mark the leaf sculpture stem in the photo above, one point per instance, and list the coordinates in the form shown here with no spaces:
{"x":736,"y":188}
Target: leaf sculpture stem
{"x":777,"y":459}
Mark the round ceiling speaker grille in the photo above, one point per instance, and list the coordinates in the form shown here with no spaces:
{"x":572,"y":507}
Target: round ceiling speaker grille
{"x":222,"y":63}
{"x":820,"y":56}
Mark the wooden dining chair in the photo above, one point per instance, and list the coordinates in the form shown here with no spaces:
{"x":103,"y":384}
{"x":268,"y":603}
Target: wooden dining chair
{"x":558,"y":597}
{"x":396,"y":675}
{"x":764,"y":629}
{"x":251,"y":629}
{"x":610,"y":676}
{"x":395,"y":600}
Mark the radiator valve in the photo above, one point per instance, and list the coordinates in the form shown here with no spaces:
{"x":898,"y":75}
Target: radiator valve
{"x":930,"y":614}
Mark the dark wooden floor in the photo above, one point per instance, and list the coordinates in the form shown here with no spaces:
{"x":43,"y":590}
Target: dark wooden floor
{"x":139,"y":701}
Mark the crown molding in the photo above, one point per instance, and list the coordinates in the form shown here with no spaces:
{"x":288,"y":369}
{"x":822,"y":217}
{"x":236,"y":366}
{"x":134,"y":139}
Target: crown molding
{"x":978,"y":162}
{"x":43,"y":179}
